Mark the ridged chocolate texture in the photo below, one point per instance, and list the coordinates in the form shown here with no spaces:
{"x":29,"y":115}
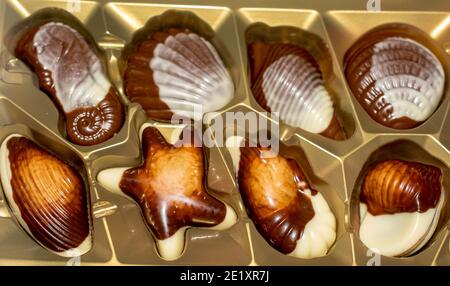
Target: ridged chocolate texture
{"x":169,"y":186}
{"x":286,"y":78}
{"x":176,"y":71}
{"x":71,"y":73}
{"x":395,"y":76}
{"x":273,"y":192}
{"x":396,"y":186}
{"x":50,"y":194}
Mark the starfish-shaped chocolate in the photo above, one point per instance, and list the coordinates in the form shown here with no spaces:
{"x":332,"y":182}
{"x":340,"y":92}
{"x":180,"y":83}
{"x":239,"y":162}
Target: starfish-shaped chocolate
{"x":169,"y":187}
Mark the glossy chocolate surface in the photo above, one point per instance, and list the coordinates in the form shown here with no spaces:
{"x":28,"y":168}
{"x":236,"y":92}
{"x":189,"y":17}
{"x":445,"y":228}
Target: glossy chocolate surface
{"x":50,"y":195}
{"x":395,"y":186}
{"x":170,"y":186}
{"x":273,"y":193}
{"x":72,"y":74}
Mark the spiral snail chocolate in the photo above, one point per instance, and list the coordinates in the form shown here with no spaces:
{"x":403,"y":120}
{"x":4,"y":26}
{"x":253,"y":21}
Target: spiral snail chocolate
{"x":170,"y":189}
{"x":291,"y":216}
{"x":72,"y":74}
{"x":176,"y":71}
{"x":400,"y":206}
{"x":395,"y":75}
{"x":47,"y":196}
{"x":285,"y":78}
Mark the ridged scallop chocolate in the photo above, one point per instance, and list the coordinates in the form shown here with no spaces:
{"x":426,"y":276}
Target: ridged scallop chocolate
{"x":71,"y":73}
{"x":394,"y":74}
{"x":286,"y":78}
{"x":176,"y":71}
{"x":396,"y":186}
{"x":47,"y":197}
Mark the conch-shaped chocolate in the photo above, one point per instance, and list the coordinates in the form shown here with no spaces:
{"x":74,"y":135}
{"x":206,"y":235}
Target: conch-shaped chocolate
{"x":47,"y":197}
{"x":395,"y":76}
{"x":286,"y":78}
{"x":169,"y":188}
{"x":400,"y":206}
{"x":177,"y":71}
{"x":291,"y":216}
{"x":71,"y":73}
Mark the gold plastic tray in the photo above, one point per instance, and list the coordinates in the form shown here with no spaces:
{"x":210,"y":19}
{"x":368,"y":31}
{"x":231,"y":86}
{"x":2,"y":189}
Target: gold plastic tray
{"x":120,"y":235}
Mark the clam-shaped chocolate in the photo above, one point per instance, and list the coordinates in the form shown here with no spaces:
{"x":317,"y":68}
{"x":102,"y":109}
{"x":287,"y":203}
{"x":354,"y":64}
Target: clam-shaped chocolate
{"x":47,"y":197}
{"x":286,"y":78}
{"x":176,"y":71}
{"x":71,"y":73}
{"x":400,"y":206}
{"x":291,"y":216}
{"x":394,"y":74}
{"x":169,"y":188}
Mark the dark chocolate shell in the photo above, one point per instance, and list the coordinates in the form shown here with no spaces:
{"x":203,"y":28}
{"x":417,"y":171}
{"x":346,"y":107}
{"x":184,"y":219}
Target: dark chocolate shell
{"x":72,"y":74}
{"x":47,"y":196}
{"x":176,"y":71}
{"x":396,"y":186}
{"x":170,"y":189}
{"x":394,"y":74}
{"x":286,"y":78}
{"x":292,"y":217}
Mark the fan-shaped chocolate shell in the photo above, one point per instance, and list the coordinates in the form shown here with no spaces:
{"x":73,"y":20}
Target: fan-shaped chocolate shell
{"x":394,"y":74}
{"x":47,"y":196}
{"x":286,"y":78}
{"x":71,"y":73}
{"x":177,"y":71}
{"x":396,"y":186}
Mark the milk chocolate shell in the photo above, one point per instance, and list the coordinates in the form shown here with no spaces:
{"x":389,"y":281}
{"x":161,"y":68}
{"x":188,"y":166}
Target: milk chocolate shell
{"x":47,"y":197}
{"x":176,"y":71}
{"x":169,"y":188}
{"x":395,"y":76}
{"x":291,"y":216}
{"x":286,"y":78}
{"x":71,"y":73}
{"x":400,"y":206}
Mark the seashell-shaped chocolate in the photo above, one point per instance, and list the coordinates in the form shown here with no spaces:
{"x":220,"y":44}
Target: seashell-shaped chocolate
{"x":292,"y":217}
{"x":395,"y":76}
{"x":400,"y":206}
{"x":177,"y":71}
{"x":71,"y":73}
{"x":169,"y":188}
{"x":286,"y":78}
{"x":47,"y":197}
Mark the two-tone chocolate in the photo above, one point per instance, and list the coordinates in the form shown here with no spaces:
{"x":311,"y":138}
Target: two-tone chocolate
{"x":291,"y":216}
{"x":395,"y":75}
{"x":47,"y":196}
{"x":72,"y":74}
{"x":285,"y":78}
{"x":400,"y":206}
{"x":176,"y":71}
{"x":170,"y":189}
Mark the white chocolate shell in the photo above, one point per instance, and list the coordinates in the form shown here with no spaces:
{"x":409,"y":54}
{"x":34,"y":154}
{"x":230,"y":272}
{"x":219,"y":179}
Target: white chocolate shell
{"x":294,"y":88}
{"x":190,"y":74}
